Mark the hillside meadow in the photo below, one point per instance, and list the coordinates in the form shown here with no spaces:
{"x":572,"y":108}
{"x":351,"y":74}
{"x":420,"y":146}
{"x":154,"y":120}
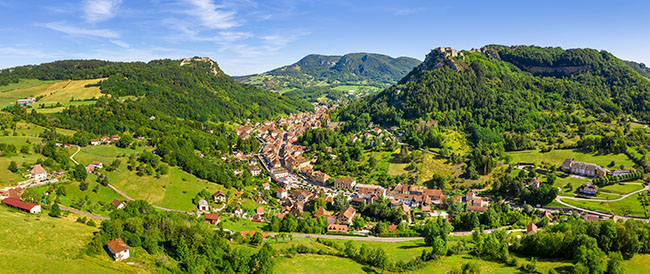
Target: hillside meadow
{"x":42,"y":244}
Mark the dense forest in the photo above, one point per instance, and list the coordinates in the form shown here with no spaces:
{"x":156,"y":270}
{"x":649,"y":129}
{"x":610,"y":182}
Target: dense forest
{"x":197,"y":91}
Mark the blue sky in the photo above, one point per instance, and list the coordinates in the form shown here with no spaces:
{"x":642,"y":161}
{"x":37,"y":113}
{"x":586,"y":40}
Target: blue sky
{"x":252,"y":36}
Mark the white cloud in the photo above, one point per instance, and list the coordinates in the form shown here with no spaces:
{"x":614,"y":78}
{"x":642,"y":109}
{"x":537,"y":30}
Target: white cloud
{"x":100,"y":10}
{"x":76,"y":31}
{"x":229,"y":36}
{"x":121,"y":43}
{"x":277,"y":41}
{"x":211,"y":15}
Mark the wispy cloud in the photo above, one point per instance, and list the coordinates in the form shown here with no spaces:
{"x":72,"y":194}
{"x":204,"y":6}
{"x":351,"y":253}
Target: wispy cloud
{"x":13,"y":51}
{"x":77,"y":31}
{"x":100,"y":10}
{"x":120,"y":43}
{"x":211,"y":15}
{"x":280,"y":40}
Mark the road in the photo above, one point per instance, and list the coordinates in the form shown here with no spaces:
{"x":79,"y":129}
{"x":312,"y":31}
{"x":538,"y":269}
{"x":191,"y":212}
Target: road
{"x":601,"y":200}
{"x":559,"y":200}
{"x":75,"y":153}
{"x":83,"y":213}
{"x":385,"y":240}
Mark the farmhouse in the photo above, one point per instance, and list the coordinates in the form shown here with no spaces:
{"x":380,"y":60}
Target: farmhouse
{"x":219,"y":196}
{"x":588,"y":189}
{"x":117,"y":204}
{"x":531,"y":228}
{"x":95,"y":142}
{"x":203,"y":205}
{"x":38,"y":173}
{"x":583,"y":169}
{"x":346,"y":215}
{"x":97,"y":164}
{"x":16,"y":203}
{"x":212,"y":218}
{"x":118,"y":249}
{"x":14,"y":193}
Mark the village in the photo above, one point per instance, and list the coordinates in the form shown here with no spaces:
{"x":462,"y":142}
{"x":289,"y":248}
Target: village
{"x":296,"y":184}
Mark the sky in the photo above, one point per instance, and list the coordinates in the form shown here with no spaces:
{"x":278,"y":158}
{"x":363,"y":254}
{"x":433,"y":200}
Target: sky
{"x":253,"y":36}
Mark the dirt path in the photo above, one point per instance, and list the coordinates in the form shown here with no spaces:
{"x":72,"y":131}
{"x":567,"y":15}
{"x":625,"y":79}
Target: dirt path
{"x":83,"y":213}
{"x":75,"y":153}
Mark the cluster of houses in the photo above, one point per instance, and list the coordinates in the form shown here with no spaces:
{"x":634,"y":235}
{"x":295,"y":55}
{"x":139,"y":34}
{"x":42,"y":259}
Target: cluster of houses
{"x":104,"y":140}
{"x":280,"y":152}
{"x":371,"y":136}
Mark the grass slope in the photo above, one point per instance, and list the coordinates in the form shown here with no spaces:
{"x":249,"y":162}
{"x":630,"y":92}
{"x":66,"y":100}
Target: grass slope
{"x":173,"y":190}
{"x":41,"y":244}
{"x":53,"y":92}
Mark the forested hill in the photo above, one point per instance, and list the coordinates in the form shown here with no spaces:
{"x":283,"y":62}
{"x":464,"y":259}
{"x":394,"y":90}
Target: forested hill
{"x":354,"y":68}
{"x":198,"y":90}
{"x":639,"y":67}
{"x":519,"y":88}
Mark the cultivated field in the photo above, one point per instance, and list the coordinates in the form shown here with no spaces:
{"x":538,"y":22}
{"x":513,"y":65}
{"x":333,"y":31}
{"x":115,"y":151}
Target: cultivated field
{"x":53,"y":92}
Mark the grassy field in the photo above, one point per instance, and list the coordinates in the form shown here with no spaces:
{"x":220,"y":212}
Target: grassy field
{"x":621,"y":188}
{"x":96,"y":202}
{"x":431,"y":165}
{"x":316,"y":264}
{"x":26,"y":134}
{"x":399,"y":251}
{"x":41,"y":244}
{"x":241,"y":225}
{"x":629,"y":206}
{"x":53,"y":92}
{"x":556,"y":157}
{"x":172,"y":190}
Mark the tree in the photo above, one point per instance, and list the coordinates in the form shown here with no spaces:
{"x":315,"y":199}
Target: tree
{"x":341,"y":201}
{"x":13,"y":167}
{"x":614,"y":265}
{"x":257,"y":238}
{"x":83,"y":186}
{"x":358,"y":222}
{"x":263,"y":260}
{"x":80,"y":174}
{"x":471,"y":268}
{"x":31,"y":196}
{"x":55,"y":211}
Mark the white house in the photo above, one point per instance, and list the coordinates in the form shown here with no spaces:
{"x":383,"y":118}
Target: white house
{"x":118,"y":249}
{"x":203,"y":205}
{"x":38,"y":173}
{"x":281,"y":193}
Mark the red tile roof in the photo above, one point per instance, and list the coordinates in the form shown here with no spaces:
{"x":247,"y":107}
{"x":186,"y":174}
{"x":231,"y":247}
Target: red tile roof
{"x":13,"y":202}
{"x":117,"y":245}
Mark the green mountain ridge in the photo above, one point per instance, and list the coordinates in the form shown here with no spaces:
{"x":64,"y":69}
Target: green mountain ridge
{"x":641,"y":68}
{"x":519,"y":89}
{"x":198,"y":90}
{"x":321,"y":70}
